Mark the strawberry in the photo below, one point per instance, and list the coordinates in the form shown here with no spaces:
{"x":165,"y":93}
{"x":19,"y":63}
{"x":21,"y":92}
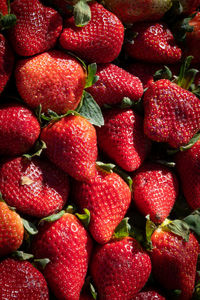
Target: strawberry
{"x":189,"y":5}
{"x":72,"y":146}
{"x":120,"y":269}
{"x":3,"y":7}
{"x":172,"y":114}
{"x":37,"y":29}
{"x":152,"y":42}
{"x":11,"y":231}
{"x":19,"y":129}
{"x":155,"y":189}
{"x":68,"y":246}
{"x":53,"y":79}
{"x":99,"y":41}
{"x":107,"y":197}
{"x":114,"y":84}
{"x":129,"y":11}
{"x":20,"y":280}
{"x":34,"y":187}
{"x":122,"y":138}
{"x":148,"y":295}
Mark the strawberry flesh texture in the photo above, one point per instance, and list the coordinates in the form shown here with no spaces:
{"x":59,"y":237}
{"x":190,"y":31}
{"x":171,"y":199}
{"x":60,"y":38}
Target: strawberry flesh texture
{"x":148,"y":295}
{"x":3,"y":8}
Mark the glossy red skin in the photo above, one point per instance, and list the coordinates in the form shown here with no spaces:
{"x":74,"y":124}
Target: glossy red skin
{"x":107,"y":197}
{"x":114,"y":84}
{"x":172,"y":114}
{"x":68,"y":246}
{"x":6,"y":62}
{"x":19,"y":279}
{"x":45,"y":194}
{"x":19,"y":129}
{"x":53,"y":79}
{"x":37,"y":29}
{"x":193,"y":39}
{"x":122,"y":138}
{"x":99,"y":41}
{"x":148,"y":295}
{"x":120,"y":269}
{"x":154,"y":43}
{"x":174,"y":262}
{"x":4,"y":7}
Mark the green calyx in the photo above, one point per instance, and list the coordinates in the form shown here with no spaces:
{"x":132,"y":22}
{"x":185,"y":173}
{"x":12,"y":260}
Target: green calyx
{"x":122,"y":230}
{"x":186,"y":75}
{"x":178,"y":227}
{"x":85,"y":217}
{"x":82,"y":13}
{"x":9,"y":20}
{"x":52,"y":218}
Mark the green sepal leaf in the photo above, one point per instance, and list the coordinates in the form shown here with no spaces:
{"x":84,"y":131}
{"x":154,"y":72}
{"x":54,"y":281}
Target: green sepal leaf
{"x":84,"y":218}
{"x":42,"y":262}
{"x":171,"y":15}
{"x":193,"y":220}
{"x":1,"y":198}
{"x":150,"y":228}
{"x":93,"y":291}
{"x":20,"y":255}
{"x":123,"y":229}
{"x":39,"y":147}
{"x":126,"y":103}
{"x":179,"y":228}
{"x":52,"y":116}
{"x":91,"y":77}
{"x":7,"y":21}
{"x":30,"y":227}
{"x":186,"y":75}
{"x":164,"y":73}
{"x":191,"y":143}
{"x":82,"y":13}
{"x":70,"y":209}
{"x":169,"y":164}
{"x":53,"y":217}
{"x":106,"y":167}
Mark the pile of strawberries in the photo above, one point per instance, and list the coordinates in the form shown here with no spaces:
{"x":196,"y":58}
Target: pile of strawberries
{"x":99,"y":149}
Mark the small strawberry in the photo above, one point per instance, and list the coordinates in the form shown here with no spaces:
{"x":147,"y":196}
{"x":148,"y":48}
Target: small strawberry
{"x":122,"y":138}
{"x":99,"y":41}
{"x":34,"y":187}
{"x":114,"y":84}
{"x":72,"y":145}
{"x":172,"y":114}
{"x":148,"y":295}
{"x":19,"y":129}
{"x":53,"y":79}
{"x":11,"y":231}
{"x":120,"y":269}
{"x":152,"y":42}
{"x":68,"y":246}
{"x":20,"y":280}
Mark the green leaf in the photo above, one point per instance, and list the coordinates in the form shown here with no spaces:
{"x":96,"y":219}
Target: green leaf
{"x":179,"y":228}
{"x":38,"y":148}
{"x":106,"y":167}
{"x":186,"y":75}
{"x":70,"y":209}
{"x":42,"y":262}
{"x":164,"y":73}
{"x":52,"y":116}
{"x":191,"y":143}
{"x":169,"y":164}
{"x":84,"y":218}
{"x":91,"y":77}
{"x":7,"y":21}
{"x":193,"y":221}
{"x":53,"y":217}
{"x":93,"y":291}
{"x":30,"y":227}
{"x":82,"y":13}
{"x":126,"y":103}
{"x":91,"y":110}
{"x":150,"y":228}
{"x":122,"y":230}
{"x":20,"y":255}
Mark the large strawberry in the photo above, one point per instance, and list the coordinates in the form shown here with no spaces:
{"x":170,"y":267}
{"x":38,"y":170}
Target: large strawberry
{"x":107,"y":197}
{"x":120,"y":269}
{"x":68,"y":246}
{"x":172,"y":114}
{"x":148,"y":295}
{"x":152,"y":42}
{"x":72,"y":145}
{"x":19,"y":129}
{"x":34,"y":187}
{"x":20,"y":280}
{"x":122,"y":138}
{"x":114,"y":84}
{"x":99,"y":41}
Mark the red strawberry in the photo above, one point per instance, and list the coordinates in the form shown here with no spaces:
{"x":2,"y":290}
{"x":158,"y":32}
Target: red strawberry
{"x":148,"y":295}
{"x":11,"y":231}
{"x":155,"y":189}
{"x":172,"y":114}
{"x":68,"y":246}
{"x":19,"y":129}
{"x":37,"y":27}
{"x":107,"y":197}
{"x":120,"y":269}
{"x":122,"y":138}
{"x":34,"y":187}
{"x":114,"y":84}
{"x":72,"y":145}
{"x":99,"y":41}
{"x":53,"y":79}
{"x":21,"y":281}
{"x":152,"y":42}
{"x":6,"y":62}
{"x":3,"y":7}
{"x":189,"y":5}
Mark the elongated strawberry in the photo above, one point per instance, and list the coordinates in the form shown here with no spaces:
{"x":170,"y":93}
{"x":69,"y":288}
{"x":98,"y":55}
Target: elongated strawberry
{"x":34,"y":187}
{"x":114,"y":84}
{"x":99,"y":41}
{"x":19,"y":129}
{"x":148,"y":295}
{"x":68,"y":246}
{"x":19,"y":279}
{"x":120,"y":269}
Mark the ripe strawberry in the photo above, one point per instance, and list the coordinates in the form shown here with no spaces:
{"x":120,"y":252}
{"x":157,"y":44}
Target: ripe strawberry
{"x":114,"y":84}
{"x":107,"y":197}
{"x":155,"y":189}
{"x":72,"y":146}
{"x":122,"y":138}
{"x":21,"y":281}
{"x":189,"y":6}
{"x":37,"y":27}
{"x":11,"y":231}
{"x":53,"y":79}
{"x":19,"y":129}
{"x":129,"y":11}
{"x":152,"y":42}
{"x":68,"y":246}
{"x":34,"y":187}
{"x":99,"y":41}
{"x":120,"y":269}
{"x":148,"y":295}
{"x":3,"y":7}
{"x":172,"y":114}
